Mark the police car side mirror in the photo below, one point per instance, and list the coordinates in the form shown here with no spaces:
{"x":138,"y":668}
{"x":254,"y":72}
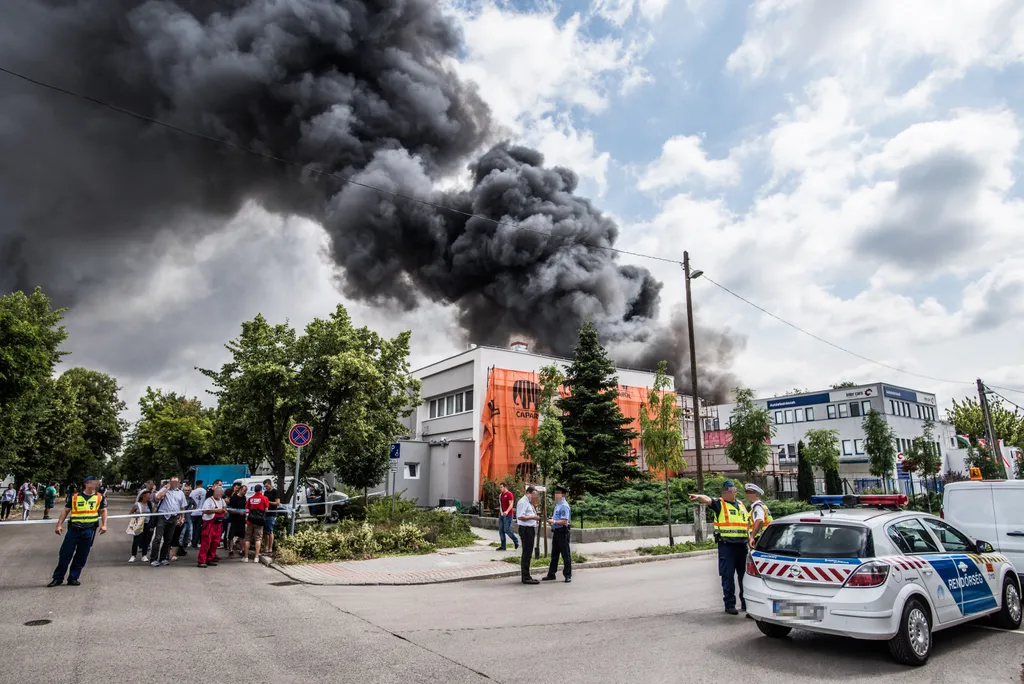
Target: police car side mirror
{"x":983,"y":547}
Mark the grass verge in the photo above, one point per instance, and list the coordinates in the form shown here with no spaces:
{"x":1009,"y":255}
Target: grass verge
{"x":684,"y":547}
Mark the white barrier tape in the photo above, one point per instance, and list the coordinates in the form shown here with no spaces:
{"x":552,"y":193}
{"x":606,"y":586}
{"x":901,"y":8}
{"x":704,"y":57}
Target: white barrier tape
{"x":284,"y":510}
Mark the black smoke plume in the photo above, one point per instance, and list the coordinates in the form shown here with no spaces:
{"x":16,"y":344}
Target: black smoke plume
{"x":364,"y":89}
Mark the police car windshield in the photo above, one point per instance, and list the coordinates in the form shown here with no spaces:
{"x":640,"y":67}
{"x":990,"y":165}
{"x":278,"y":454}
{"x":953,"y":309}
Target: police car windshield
{"x":815,"y":541}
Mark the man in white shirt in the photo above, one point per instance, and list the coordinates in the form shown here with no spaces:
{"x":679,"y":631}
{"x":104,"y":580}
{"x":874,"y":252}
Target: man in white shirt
{"x":526,"y":514}
{"x":170,"y":501}
{"x":199,"y":496}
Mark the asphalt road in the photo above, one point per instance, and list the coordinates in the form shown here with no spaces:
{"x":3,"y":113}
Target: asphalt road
{"x":656,"y":622}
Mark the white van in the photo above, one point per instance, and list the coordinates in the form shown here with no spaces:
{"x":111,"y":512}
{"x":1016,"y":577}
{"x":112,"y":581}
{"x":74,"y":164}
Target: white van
{"x":989,"y":510}
{"x":327,"y":501}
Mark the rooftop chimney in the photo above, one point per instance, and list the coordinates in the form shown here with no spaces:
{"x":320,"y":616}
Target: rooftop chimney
{"x":519,"y":346}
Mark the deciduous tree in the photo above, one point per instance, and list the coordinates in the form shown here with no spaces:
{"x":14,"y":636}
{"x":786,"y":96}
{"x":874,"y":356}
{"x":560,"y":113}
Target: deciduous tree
{"x":879,"y":443}
{"x":547,"y":449}
{"x":752,"y":429}
{"x":661,"y":434}
{"x":804,"y":474}
{"x":823,"y":451}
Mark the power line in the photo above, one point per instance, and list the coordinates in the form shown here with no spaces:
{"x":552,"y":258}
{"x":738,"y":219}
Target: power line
{"x":513,"y":224}
{"x":1011,"y":403}
{"x":831,"y":344}
{"x":313,"y":170}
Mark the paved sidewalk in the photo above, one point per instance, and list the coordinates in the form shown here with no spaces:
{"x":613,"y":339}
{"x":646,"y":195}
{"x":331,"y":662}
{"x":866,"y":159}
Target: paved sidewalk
{"x":479,"y":561}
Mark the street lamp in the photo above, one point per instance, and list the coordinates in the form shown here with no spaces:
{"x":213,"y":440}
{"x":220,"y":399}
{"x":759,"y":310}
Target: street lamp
{"x":698,"y":518}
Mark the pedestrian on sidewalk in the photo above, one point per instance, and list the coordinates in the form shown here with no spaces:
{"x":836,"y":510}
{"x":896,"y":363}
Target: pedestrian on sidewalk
{"x":256,"y":518}
{"x":526,"y":514}
{"x":88,"y":511}
{"x":732,"y":526}
{"x":7,"y":501}
{"x":140,"y":542}
{"x":506,"y":503}
{"x":49,"y":499}
{"x":28,"y":497}
{"x":236,"y":520}
{"x":185,"y":533}
{"x":170,"y":501}
{"x":198,"y":496}
{"x":560,"y":523}
{"x":213,"y":517}
{"x":274,"y":499}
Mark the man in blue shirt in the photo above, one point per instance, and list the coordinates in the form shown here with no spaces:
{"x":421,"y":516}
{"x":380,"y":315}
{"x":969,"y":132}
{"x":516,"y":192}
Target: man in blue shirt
{"x":559,"y":521}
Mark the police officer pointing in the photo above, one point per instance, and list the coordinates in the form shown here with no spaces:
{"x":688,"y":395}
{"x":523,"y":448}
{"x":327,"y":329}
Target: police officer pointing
{"x":732,"y":535}
{"x":87,"y":510}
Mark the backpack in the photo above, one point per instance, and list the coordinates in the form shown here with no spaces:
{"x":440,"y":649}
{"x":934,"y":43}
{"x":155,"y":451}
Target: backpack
{"x":257,"y":516}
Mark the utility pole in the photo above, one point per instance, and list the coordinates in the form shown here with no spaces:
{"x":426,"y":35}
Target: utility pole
{"x":993,"y":440}
{"x":698,"y":509}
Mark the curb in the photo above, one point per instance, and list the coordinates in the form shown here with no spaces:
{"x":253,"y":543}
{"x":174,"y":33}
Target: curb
{"x":607,"y":563}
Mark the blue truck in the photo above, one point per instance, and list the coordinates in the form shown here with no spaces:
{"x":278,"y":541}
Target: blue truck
{"x":226,"y":473}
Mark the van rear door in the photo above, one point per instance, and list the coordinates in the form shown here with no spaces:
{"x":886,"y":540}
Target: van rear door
{"x":968,"y":506}
{"x":1009,"y":536}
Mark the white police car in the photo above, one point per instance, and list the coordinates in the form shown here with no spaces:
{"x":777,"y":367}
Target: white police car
{"x":873,"y":573}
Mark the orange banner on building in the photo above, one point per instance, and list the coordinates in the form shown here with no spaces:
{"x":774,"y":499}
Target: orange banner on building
{"x":511,"y":407}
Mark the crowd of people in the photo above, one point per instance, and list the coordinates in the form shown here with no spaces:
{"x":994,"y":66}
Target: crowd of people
{"x":25,"y":497}
{"x":205,"y":519}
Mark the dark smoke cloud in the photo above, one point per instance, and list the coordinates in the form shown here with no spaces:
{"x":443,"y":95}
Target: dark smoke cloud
{"x":363,"y":89}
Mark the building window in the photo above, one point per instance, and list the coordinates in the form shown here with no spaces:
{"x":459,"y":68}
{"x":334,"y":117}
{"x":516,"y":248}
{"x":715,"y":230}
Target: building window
{"x":789,"y":416}
{"x":858,"y":446}
{"x":412,"y":471}
{"x":952,"y":442}
{"x":798,"y":414}
{"x":906,"y":410}
{"x":778,"y":418}
{"x":847,"y":447}
{"x":917,"y":410}
{"x":810,"y":414}
{"x":449,"y":405}
{"x":892,"y":407}
{"x":844,"y":410}
{"x":865,"y":407}
{"x":855,"y":410}
{"x":831,"y":411}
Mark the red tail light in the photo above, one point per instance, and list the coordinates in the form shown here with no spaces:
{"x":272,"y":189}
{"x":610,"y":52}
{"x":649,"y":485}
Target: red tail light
{"x":869,"y":575}
{"x":751,"y":568}
{"x":942,"y":514}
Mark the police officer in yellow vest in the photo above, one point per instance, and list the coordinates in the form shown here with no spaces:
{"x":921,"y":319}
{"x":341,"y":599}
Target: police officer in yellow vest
{"x":87,"y":511}
{"x":732,"y":534}
{"x":760,"y":516}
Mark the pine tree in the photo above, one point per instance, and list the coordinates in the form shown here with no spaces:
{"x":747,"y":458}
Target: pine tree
{"x":593,"y":424}
{"x":804,"y":474}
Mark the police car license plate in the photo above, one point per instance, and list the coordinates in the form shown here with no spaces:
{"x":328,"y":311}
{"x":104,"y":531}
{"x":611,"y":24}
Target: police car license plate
{"x":801,"y":611}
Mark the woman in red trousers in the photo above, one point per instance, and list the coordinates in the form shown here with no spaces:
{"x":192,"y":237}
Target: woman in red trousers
{"x":214,"y":510}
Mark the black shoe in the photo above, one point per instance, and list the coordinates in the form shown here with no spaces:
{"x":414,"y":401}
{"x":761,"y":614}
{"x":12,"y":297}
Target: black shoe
{"x":55,"y":583}
{"x":73,"y":583}
{"x":502,"y":548}
{"x":201,"y":565}
{"x":530,"y":581}
{"x":517,"y":545}
{"x":568,"y":580}
{"x":548,"y":578}
{"x":182,"y":552}
{"x":212,"y":562}
{"x":749,"y":616}
{"x":732,"y":611}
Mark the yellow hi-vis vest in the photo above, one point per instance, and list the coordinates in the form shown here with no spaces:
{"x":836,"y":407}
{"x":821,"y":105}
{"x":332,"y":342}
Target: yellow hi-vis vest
{"x":86,"y":509}
{"x":732,"y":521}
{"x":767,"y":517}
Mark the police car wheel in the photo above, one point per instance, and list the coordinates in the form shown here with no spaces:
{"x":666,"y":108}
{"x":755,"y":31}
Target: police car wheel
{"x":773,"y":631}
{"x":1009,"y":616}
{"x":913,"y":642}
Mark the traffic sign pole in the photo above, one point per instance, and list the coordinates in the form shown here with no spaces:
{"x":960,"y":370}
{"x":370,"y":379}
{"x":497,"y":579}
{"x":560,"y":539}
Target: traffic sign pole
{"x":295,"y":489}
{"x":300,"y":435}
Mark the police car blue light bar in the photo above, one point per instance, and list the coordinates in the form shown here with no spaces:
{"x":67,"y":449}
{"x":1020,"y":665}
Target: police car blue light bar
{"x":862,"y":500}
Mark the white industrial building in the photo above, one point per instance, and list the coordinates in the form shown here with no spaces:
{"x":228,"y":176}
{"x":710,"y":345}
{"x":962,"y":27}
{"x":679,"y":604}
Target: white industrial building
{"x":440,"y":457}
{"x":843,"y":410}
